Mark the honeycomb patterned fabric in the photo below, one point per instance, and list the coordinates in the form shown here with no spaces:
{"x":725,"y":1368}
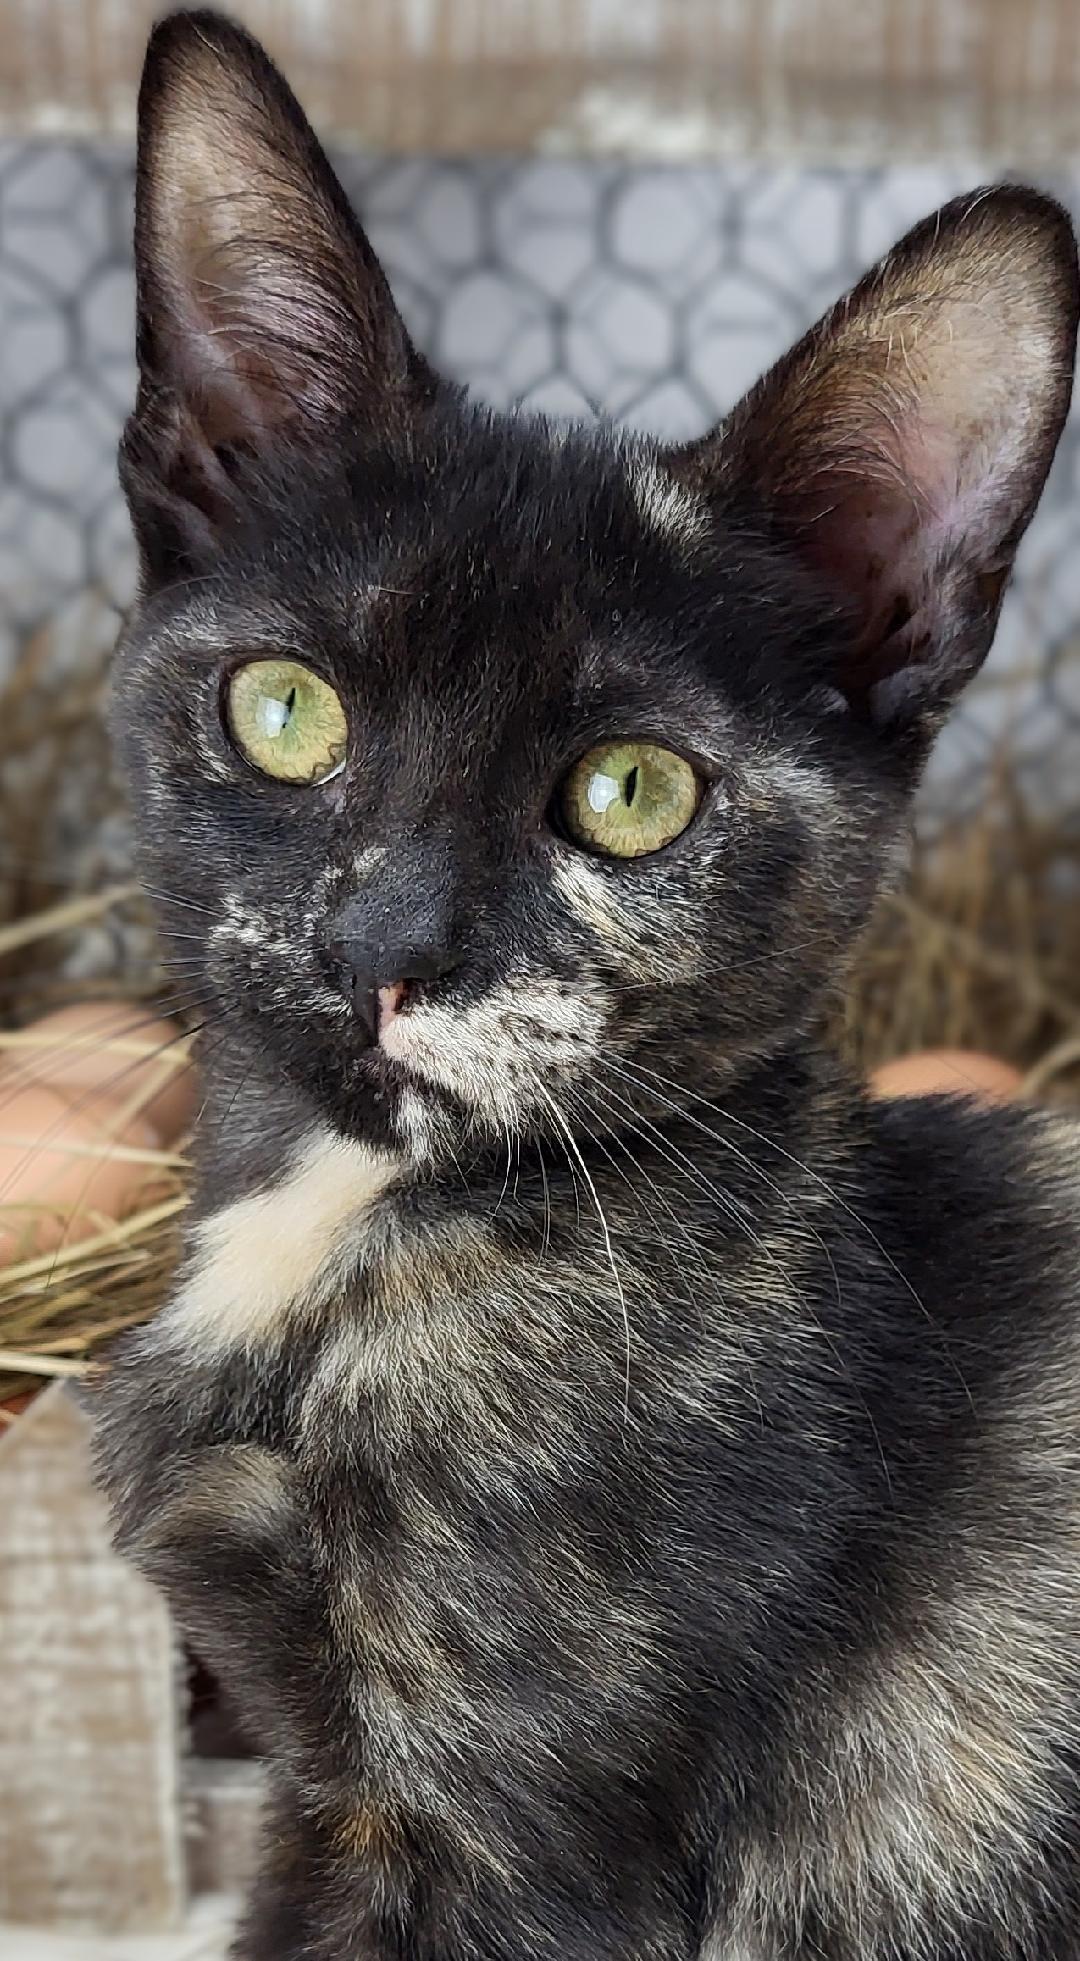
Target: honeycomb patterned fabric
{"x":652,"y":295}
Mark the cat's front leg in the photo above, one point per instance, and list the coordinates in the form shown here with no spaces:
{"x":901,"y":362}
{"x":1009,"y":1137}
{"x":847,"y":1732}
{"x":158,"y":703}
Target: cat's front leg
{"x":223,"y":1531}
{"x":278,"y":1924}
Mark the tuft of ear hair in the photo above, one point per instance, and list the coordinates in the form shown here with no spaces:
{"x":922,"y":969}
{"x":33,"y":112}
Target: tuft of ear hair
{"x":901,"y":447}
{"x":263,"y":314}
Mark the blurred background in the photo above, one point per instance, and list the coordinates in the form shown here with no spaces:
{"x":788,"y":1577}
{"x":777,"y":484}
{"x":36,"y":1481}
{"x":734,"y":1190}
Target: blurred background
{"x":618,"y":208}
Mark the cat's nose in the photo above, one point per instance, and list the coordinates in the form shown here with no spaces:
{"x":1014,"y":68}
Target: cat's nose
{"x":380,"y":980}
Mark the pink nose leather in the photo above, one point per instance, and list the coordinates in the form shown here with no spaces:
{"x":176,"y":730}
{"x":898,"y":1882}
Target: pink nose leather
{"x":390,"y":1000}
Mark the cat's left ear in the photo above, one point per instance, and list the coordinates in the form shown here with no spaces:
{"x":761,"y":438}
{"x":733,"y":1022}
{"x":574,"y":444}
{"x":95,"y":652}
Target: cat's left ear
{"x":263,"y":313}
{"x":902,"y":446}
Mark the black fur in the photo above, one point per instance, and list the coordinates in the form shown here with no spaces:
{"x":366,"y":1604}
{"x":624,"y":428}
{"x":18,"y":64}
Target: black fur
{"x":649,"y":1526}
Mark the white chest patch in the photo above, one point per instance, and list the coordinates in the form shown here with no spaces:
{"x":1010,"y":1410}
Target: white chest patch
{"x":280,"y":1251}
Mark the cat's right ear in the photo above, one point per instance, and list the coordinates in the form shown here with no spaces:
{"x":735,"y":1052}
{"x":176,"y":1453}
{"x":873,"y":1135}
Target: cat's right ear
{"x":263,"y":315}
{"x":901,"y":447}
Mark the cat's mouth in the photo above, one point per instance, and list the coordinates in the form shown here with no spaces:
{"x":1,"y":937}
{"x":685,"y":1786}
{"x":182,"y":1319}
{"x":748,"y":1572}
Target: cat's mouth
{"x":386,"y":1072}
{"x":384,"y":1095}
{"x":404,"y":1052}
{"x":376,"y":1008}
{"x":500,"y":1057}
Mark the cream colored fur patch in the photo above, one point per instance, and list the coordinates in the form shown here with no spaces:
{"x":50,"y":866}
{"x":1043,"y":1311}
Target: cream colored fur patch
{"x":589,"y":897}
{"x":281,"y":1250}
{"x":493,"y":1053}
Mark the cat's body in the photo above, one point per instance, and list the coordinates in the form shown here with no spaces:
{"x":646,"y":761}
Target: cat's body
{"x":626,"y":1479}
{"x":757,"y":1636}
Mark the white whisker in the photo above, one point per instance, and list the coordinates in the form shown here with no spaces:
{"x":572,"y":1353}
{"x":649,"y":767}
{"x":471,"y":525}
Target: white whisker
{"x":572,"y":1144}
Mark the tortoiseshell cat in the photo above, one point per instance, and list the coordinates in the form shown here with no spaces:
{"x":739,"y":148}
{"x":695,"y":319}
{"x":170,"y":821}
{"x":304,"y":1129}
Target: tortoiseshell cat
{"x":629,"y":1482}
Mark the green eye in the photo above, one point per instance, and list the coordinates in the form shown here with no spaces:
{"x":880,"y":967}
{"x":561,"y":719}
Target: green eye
{"x":286,"y":721}
{"x":629,"y":798}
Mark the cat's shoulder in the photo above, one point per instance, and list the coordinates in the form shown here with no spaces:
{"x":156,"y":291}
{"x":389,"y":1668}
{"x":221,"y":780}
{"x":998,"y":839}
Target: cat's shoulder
{"x":1011,"y":1151}
{"x":983,"y":1201}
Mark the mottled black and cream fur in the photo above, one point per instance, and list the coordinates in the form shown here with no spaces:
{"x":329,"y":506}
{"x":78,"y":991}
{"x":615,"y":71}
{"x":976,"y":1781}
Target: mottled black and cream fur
{"x":627,"y":1481}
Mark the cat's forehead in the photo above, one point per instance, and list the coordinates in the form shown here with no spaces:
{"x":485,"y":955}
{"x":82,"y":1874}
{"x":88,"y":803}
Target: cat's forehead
{"x":493,"y":525}
{"x":503,"y":493}
{"x":597,"y":485}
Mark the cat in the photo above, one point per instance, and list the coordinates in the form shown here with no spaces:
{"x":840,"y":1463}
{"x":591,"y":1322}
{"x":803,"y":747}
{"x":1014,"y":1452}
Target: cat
{"x":627,"y":1480}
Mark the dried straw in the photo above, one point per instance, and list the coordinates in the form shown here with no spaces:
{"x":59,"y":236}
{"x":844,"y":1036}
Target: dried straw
{"x":58,"y":1305}
{"x":980,"y":948}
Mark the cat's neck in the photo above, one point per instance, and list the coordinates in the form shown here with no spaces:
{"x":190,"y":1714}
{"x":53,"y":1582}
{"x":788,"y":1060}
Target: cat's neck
{"x":292,"y":1216}
{"x":779,"y":1113}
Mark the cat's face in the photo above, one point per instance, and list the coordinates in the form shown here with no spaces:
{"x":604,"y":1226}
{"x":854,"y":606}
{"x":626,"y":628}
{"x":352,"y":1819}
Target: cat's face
{"x":477,"y":762}
{"x":534,"y":600}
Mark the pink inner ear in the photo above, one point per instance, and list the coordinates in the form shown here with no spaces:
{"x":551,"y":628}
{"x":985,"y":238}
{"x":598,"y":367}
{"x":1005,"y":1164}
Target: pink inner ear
{"x":901,"y":446}
{"x":886,"y":539}
{"x":868,"y":546}
{"x":219,"y":408}
{"x":231,"y":375}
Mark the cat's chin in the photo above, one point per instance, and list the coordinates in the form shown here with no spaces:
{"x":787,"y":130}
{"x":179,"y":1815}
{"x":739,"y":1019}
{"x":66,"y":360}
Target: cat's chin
{"x":391,"y":1104}
{"x":378,"y":1080}
{"x":402,"y":1102}
{"x":366,"y":1094}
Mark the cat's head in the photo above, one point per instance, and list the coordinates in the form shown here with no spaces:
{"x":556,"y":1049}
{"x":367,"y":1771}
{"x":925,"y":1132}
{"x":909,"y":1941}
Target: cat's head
{"x":476,"y":760}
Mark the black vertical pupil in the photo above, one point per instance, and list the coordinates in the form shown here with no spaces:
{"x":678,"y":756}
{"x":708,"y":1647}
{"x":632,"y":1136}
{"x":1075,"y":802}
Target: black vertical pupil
{"x":290,"y":699}
{"x":630,"y":785}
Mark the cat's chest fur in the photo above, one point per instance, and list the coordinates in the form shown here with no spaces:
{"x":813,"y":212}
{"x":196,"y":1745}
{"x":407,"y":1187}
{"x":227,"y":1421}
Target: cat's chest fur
{"x":429,"y":1521}
{"x":487,"y":1532}
{"x":432,"y":1379}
